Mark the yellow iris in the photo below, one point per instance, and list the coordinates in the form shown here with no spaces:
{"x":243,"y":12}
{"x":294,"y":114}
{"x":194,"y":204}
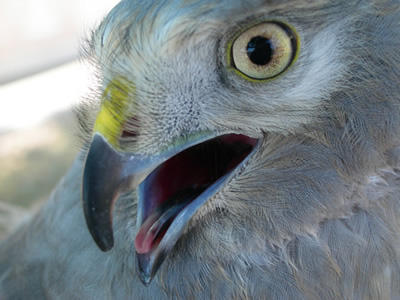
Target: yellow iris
{"x":263,"y":51}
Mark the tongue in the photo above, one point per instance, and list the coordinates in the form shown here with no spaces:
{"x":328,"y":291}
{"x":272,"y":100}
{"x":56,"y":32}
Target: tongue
{"x":157,"y":223}
{"x":153,"y":229}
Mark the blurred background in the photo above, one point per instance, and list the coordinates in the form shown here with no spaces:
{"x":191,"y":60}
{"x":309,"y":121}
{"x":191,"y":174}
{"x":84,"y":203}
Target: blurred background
{"x":40,"y":81}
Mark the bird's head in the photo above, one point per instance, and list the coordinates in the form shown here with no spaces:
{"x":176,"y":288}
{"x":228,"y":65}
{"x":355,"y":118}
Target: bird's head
{"x":222,"y":124}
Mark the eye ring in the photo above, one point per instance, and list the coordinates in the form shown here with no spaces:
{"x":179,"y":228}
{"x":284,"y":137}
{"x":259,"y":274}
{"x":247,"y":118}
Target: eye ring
{"x":263,"y":51}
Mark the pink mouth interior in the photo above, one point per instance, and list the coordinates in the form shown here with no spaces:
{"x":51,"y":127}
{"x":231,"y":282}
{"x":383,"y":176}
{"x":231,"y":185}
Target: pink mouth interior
{"x":179,"y":180}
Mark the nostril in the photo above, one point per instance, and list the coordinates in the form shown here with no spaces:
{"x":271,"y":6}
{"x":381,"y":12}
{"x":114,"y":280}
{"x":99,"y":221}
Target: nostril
{"x":130,"y":128}
{"x":128,"y":134}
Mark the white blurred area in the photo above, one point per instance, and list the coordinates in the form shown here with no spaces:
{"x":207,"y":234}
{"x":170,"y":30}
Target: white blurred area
{"x":27,"y":102}
{"x":40,"y":81}
{"x":39,"y":45}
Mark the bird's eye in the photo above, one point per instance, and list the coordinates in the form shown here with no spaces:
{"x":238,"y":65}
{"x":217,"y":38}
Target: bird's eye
{"x":264,"y":51}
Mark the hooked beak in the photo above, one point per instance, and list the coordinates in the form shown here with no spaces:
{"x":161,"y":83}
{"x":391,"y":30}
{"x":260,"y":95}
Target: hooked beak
{"x":170,"y":189}
{"x":107,"y":174}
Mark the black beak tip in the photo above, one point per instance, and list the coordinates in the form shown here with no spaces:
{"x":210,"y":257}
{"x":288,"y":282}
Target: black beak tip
{"x":145,"y":279}
{"x":100,"y":188}
{"x":104,"y":239}
{"x":144,"y":268}
{"x":99,"y":228}
{"x":148,"y":264}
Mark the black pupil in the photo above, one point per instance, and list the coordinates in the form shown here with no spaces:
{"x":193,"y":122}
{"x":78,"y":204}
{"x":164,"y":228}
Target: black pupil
{"x":260,"y":50}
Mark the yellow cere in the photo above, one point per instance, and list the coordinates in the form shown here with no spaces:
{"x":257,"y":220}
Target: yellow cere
{"x":114,"y":109}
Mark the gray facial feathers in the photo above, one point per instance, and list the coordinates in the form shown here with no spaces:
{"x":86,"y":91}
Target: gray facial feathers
{"x":315,"y":212}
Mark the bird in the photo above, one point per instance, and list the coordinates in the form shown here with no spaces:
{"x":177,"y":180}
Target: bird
{"x":232,"y":149}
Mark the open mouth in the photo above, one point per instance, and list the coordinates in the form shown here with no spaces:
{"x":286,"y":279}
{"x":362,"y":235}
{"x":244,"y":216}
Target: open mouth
{"x":174,"y":184}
